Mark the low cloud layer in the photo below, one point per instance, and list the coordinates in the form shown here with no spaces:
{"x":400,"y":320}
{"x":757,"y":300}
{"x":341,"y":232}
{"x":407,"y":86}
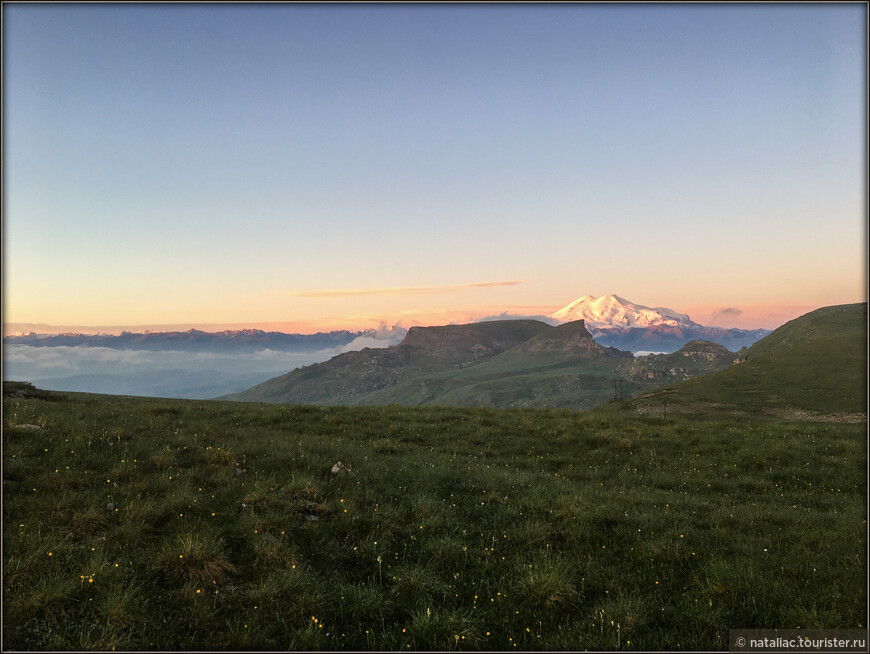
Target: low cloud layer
{"x":382,"y":337}
{"x":25,"y":362}
{"x":143,"y":372}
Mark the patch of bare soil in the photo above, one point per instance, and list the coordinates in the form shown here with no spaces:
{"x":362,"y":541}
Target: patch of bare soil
{"x":793,"y":413}
{"x":664,"y":409}
{"x":783,"y":411}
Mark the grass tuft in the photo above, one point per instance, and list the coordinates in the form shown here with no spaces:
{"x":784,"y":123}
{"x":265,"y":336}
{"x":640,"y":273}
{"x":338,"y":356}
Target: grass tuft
{"x":195,"y":557}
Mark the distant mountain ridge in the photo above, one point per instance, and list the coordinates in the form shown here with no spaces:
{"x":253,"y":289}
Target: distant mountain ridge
{"x":346,"y":378}
{"x":194,"y":340}
{"x":612,"y":321}
{"x":616,"y":322}
{"x":666,"y":338}
{"x":510,"y":363}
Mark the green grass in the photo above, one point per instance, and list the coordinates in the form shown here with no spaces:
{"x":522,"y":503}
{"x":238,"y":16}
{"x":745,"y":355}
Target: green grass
{"x":815,"y":364}
{"x":140,"y":523}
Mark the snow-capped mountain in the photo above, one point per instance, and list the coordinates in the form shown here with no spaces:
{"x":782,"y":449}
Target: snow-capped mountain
{"x":615,"y":322}
{"x":612,"y":311}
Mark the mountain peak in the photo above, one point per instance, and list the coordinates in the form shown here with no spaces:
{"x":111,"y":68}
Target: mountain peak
{"x":610,"y":311}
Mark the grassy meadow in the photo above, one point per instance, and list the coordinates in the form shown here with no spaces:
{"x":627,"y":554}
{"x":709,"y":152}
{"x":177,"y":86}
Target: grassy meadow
{"x":812,"y":367}
{"x":139,"y":523}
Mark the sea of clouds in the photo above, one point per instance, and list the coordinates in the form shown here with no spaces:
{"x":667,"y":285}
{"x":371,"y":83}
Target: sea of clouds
{"x":197,"y":375}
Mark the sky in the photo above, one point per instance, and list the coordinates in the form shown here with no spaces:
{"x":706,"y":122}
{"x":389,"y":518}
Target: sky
{"x":338,"y":166}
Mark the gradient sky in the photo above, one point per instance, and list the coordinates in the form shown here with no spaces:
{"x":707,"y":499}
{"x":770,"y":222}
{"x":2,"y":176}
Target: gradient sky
{"x":338,"y":165}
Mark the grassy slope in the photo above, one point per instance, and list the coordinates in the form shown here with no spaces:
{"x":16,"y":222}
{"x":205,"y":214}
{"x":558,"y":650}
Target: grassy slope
{"x":126,"y":525}
{"x":522,"y":363}
{"x":348,"y":377}
{"x":560,"y":366}
{"x":557,"y":368}
{"x":816,"y":363}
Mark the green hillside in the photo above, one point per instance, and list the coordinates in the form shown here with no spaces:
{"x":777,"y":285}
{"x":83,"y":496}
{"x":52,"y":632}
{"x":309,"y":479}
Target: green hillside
{"x":558,"y":366}
{"x":501,"y":364}
{"x":346,"y":378}
{"x":816,"y":363}
{"x":151,"y":524}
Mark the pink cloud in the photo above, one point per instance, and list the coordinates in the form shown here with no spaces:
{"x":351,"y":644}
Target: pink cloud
{"x":746,"y":316}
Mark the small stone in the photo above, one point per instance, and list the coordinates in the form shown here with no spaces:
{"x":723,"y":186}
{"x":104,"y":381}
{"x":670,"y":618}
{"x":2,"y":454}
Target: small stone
{"x":26,"y":427}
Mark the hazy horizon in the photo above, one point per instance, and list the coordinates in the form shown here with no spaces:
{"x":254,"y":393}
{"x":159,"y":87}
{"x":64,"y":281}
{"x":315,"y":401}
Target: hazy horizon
{"x":726,"y":318}
{"x":325,"y":167}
